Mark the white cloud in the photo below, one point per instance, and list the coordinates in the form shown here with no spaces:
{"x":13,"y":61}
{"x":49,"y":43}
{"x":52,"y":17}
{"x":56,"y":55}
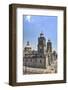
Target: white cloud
{"x":28,"y":18}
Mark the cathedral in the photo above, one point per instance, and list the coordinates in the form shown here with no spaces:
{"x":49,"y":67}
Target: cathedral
{"x":43,"y":57}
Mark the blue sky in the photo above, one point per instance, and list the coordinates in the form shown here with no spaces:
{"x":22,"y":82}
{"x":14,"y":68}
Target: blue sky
{"x":34,"y":25}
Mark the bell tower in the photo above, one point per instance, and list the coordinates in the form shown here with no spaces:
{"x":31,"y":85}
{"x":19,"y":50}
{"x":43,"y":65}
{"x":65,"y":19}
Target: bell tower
{"x":49,"y":46}
{"x":41,"y":44}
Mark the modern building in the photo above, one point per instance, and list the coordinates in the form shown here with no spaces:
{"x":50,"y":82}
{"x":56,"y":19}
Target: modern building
{"x":42,"y":57}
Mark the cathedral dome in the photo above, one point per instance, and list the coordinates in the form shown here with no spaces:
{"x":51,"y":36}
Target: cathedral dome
{"x":28,"y":47}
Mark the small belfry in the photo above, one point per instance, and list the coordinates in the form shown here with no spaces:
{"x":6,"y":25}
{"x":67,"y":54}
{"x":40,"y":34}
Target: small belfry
{"x":43,"y":57}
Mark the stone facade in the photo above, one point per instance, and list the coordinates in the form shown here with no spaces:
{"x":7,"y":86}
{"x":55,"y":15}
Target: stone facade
{"x":42,"y":57}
